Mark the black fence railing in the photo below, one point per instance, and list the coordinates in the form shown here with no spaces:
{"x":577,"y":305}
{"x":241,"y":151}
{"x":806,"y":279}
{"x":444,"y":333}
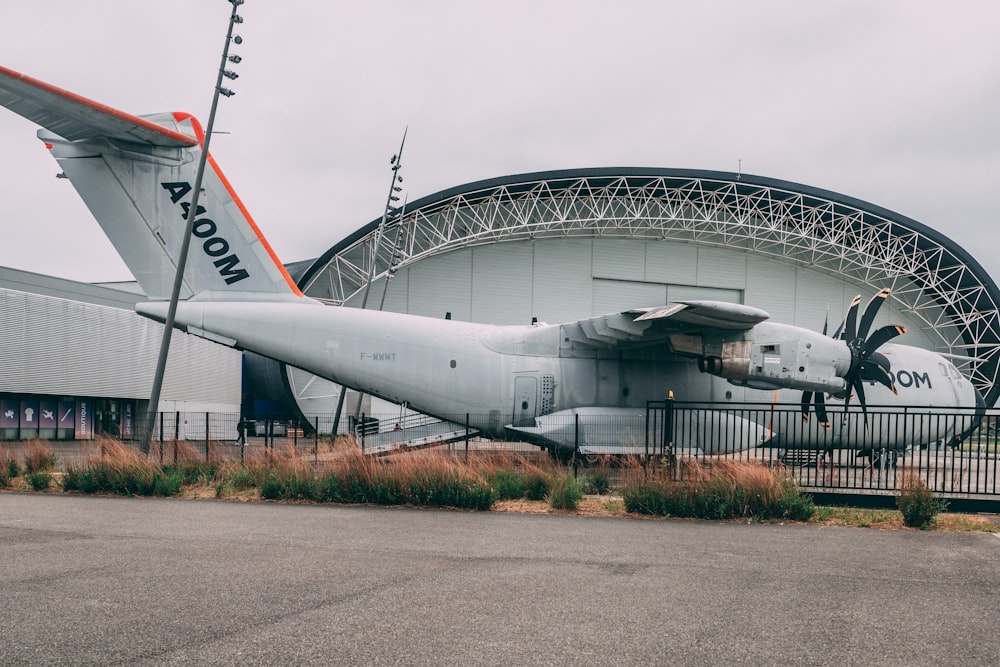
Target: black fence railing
{"x":955,"y":452}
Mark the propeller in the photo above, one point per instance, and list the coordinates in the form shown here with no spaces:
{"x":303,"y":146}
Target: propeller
{"x":867,"y":364}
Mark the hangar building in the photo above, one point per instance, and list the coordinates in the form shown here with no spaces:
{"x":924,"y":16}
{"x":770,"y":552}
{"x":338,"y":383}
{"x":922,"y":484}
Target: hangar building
{"x":77,"y":362}
{"x":563,"y":245}
{"x":553,"y":246}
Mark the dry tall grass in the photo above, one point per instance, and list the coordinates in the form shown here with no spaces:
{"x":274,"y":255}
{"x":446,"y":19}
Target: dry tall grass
{"x":721,"y":489}
{"x":38,"y":457}
{"x":8,"y":467}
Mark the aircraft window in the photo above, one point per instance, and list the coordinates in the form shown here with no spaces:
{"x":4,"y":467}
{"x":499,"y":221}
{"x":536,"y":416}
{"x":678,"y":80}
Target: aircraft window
{"x":453,"y":364}
{"x":524,"y":405}
{"x":944,"y":369}
{"x":770,"y":349}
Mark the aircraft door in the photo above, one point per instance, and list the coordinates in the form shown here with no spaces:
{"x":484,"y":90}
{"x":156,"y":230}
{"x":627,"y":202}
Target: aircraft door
{"x":525,"y":399}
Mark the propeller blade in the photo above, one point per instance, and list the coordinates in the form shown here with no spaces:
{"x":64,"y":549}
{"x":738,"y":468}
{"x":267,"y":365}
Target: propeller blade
{"x":859,"y":388}
{"x":850,"y":331}
{"x":881,"y":336}
{"x":877,"y":373}
{"x":806,"y":400}
{"x":871,"y":310}
{"x":821,"y":415}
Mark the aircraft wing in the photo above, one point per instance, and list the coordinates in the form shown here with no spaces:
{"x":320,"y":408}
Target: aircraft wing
{"x":74,"y":117}
{"x":645,"y":325}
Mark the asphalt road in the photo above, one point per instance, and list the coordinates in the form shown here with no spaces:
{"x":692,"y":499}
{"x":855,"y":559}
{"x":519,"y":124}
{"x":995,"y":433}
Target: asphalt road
{"x":94,"y":580}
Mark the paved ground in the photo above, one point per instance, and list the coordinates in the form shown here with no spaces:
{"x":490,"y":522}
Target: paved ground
{"x":88,"y":580}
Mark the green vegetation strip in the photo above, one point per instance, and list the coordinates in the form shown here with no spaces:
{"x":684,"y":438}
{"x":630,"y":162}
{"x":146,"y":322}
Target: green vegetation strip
{"x":723,"y":491}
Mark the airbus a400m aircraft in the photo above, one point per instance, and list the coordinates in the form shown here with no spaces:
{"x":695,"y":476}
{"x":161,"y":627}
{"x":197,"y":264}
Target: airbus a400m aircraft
{"x":135,"y":173}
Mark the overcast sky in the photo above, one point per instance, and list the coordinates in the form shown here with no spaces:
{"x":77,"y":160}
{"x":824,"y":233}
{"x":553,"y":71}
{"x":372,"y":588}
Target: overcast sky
{"x":896,"y":103}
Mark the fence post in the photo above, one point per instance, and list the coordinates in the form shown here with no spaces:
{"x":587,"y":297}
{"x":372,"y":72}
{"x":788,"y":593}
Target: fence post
{"x":466,"y":436}
{"x":576,"y":441}
{"x":206,"y":437}
{"x":161,"y":438}
{"x":316,"y":439}
{"x":668,"y":430}
{"x":362,"y":429}
{"x":177,"y":433}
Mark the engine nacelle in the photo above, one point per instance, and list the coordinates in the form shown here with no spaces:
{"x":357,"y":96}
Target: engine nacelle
{"x":778,"y":356}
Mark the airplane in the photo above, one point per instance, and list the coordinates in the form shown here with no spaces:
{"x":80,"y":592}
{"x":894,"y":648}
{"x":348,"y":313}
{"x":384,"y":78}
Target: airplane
{"x":559,"y":385}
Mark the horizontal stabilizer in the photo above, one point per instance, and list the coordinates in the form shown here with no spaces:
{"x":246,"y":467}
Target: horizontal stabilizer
{"x":74,"y":117}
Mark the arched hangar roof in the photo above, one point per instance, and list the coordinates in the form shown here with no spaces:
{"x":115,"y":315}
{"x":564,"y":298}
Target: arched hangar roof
{"x":933,"y":279}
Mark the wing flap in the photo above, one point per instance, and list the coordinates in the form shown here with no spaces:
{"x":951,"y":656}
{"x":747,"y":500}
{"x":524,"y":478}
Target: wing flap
{"x":646,"y":325}
{"x":74,"y":117}
{"x":711,"y":314}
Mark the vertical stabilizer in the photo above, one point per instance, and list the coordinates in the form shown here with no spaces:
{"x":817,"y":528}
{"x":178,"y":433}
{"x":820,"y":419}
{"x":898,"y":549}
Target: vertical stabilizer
{"x":135,"y":174}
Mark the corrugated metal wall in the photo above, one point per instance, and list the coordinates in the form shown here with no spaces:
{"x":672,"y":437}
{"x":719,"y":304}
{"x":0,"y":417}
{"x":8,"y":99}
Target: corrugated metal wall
{"x":55,"y":346}
{"x":561,"y":280}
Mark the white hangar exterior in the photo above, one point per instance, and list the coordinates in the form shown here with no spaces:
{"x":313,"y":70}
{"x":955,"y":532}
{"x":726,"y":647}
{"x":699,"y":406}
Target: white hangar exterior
{"x":563,"y":245}
{"x":76,"y":362}
{"x":553,"y":246}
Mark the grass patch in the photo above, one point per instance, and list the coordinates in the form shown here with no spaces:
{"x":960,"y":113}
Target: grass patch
{"x":40,"y":480}
{"x":124,"y":471}
{"x":507,"y":484}
{"x":38,"y":458}
{"x":918,"y":505}
{"x":857,"y":517}
{"x":8,"y":467}
{"x":726,"y":490}
{"x":475,"y":481}
{"x":564,"y":492}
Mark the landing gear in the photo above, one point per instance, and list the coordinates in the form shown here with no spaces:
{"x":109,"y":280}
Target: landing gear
{"x":884,"y":457}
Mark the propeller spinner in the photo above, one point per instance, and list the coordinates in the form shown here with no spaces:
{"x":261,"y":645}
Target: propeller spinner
{"x":867,"y":364}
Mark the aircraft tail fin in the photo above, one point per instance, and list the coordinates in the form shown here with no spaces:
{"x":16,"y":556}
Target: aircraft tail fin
{"x":136,"y":174}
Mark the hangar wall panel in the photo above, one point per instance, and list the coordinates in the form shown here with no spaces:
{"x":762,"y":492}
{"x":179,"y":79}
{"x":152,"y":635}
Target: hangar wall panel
{"x":393,"y":301}
{"x":677,"y":293}
{"x":819,"y":298}
{"x":501,"y":283}
{"x":441,"y":284}
{"x":722,"y":268}
{"x":675,"y":263}
{"x":612,"y":296}
{"x":568,"y":279}
{"x":562,"y":270}
{"x":771,"y":286}
{"x":60,"y":347}
{"x":619,"y":260}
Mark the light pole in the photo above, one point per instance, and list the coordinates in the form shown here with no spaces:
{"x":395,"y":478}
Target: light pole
{"x":168,"y":325}
{"x":389,"y":212}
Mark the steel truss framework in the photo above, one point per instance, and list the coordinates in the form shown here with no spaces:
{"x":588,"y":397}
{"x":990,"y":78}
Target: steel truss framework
{"x":933,"y":280}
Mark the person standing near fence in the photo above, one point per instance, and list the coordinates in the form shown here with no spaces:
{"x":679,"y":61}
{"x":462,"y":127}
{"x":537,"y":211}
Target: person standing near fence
{"x":241,"y":432}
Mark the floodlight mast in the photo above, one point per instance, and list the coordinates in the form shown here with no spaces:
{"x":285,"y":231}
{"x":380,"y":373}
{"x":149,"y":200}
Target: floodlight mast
{"x":168,"y":325}
{"x":390,"y":211}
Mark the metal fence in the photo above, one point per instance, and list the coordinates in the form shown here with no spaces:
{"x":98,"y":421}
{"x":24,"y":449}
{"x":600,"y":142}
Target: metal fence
{"x":954,"y":452}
